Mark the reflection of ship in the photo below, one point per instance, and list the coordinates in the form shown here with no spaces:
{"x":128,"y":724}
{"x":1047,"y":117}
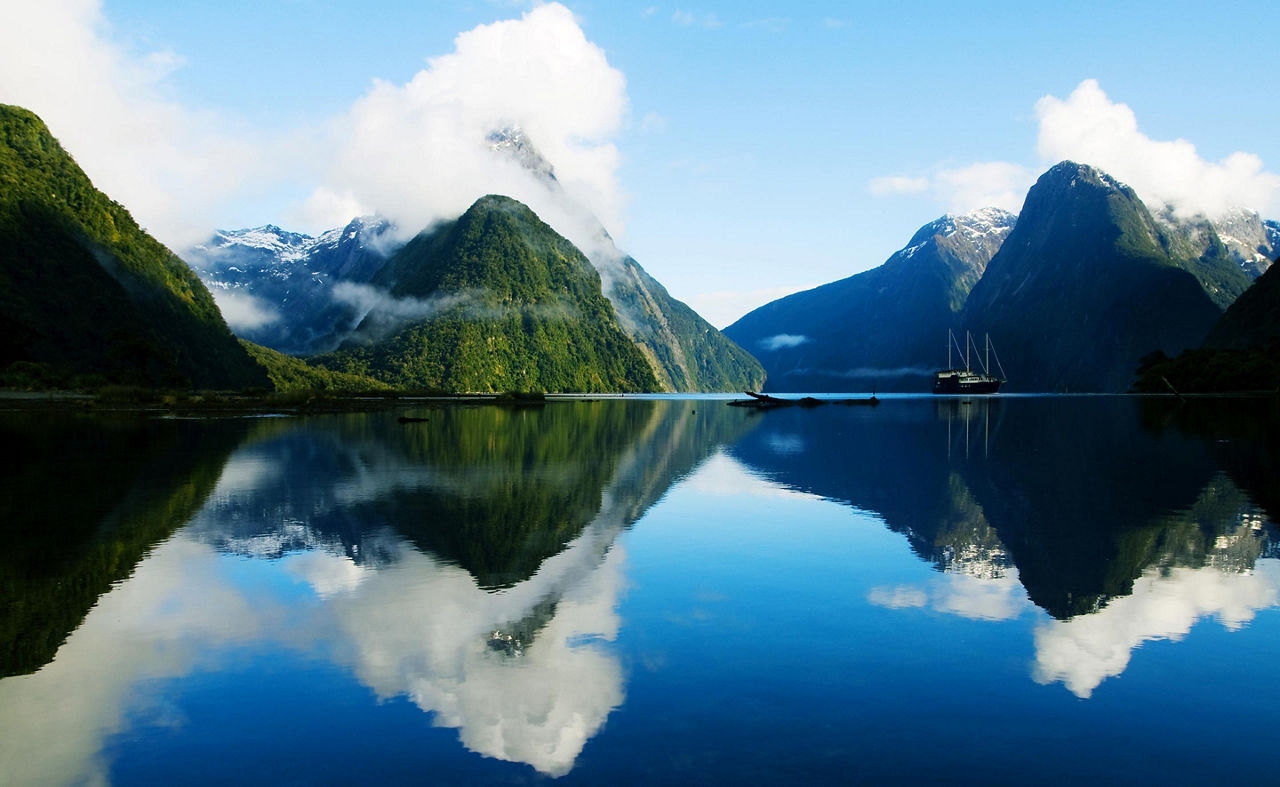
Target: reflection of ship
{"x":967,"y":381}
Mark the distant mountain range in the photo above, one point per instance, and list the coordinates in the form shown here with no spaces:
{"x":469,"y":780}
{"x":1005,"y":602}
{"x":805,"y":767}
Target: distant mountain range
{"x":1074,"y":292}
{"x":276,"y":288}
{"x":304,"y":295}
{"x":886,"y":327}
{"x":1083,"y":284}
{"x":86,"y":296}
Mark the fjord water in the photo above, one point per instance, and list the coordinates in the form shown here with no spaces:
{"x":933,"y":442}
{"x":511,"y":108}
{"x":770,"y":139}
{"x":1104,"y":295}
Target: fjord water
{"x":992,"y":590}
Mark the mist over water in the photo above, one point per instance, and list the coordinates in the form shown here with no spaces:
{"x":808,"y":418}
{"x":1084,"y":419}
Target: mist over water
{"x":658,"y":590}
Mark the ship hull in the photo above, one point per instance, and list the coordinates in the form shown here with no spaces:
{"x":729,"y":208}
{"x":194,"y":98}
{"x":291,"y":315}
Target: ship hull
{"x":948,"y":383}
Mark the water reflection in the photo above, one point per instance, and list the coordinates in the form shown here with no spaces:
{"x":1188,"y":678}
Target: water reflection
{"x":470,"y":570}
{"x":1125,"y":520}
{"x":468,"y":563}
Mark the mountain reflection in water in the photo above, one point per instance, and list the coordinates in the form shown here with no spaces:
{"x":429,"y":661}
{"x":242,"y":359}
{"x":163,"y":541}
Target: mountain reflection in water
{"x":468,"y":563}
{"x":473,"y":565}
{"x":1126,"y":520}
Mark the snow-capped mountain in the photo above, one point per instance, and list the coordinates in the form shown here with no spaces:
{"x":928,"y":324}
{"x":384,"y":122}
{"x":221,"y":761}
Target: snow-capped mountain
{"x":277,"y":288}
{"x":512,"y":141}
{"x":883,"y":327}
{"x":1249,"y":240}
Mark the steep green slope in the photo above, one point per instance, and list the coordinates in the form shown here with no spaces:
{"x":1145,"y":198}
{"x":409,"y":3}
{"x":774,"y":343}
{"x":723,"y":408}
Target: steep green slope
{"x":1088,"y":282}
{"x":294,"y":374}
{"x":686,"y":352}
{"x":886,"y":327}
{"x":493,"y":301}
{"x":85,"y":292}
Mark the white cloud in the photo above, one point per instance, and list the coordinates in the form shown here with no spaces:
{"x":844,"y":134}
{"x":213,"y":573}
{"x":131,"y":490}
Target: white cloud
{"x":986,"y":184}
{"x":1090,"y":128}
{"x":963,"y":189}
{"x":170,"y":164}
{"x":417,"y":152}
{"x":981,"y":598}
{"x":723,"y":476}
{"x":782,"y":341}
{"x":898,"y":597}
{"x":965,"y":595}
{"x":1084,"y":651}
{"x":243,"y":311}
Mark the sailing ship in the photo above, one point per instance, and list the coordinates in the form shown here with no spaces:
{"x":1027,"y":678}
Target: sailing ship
{"x":967,"y":380}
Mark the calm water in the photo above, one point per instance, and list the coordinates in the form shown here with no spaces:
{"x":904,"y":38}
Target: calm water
{"x":1024,"y":590}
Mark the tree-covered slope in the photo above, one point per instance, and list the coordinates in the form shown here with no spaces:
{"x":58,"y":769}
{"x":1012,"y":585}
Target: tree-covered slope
{"x":493,"y":301}
{"x":85,"y":292}
{"x":686,"y":352}
{"x":885,"y":327}
{"x":1088,"y":282}
{"x":288,"y":373}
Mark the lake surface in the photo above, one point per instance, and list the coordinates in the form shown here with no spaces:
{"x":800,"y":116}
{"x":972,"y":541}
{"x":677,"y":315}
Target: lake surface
{"x":1010,"y":591}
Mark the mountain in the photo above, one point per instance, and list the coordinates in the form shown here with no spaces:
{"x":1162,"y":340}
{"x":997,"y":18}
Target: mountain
{"x":1254,"y":319}
{"x":301,"y":295}
{"x":493,"y":301}
{"x":85,"y":294}
{"x":1251,"y":241}
{"x":1241,"y":353}
{"x":685,"y":351}
{"x":279,"y":289}
{"x":1088,"y":282}
{"x":885,"y":327}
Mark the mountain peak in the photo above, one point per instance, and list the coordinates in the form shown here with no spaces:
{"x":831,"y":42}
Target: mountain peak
{"x":512,"y":141}
{"x":981,"y":227}
{"x":1073,"y":174}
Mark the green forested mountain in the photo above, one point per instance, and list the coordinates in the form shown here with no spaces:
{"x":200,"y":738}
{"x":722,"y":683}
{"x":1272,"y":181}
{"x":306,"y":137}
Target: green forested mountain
{"x":686,"y":352}
{"x":85,"y":293}
{"x":294,"y":374}
{"x":886,"y":327}
{"x":1088,"y":282}
{"x":493,"y":301}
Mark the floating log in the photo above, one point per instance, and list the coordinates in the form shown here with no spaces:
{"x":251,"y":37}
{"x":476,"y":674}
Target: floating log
{"x":409,"y":419}
{"x":761,"y":401}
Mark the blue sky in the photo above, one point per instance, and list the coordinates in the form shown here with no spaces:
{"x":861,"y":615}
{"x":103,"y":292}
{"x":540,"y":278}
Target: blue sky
{"x":738,"y":150}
